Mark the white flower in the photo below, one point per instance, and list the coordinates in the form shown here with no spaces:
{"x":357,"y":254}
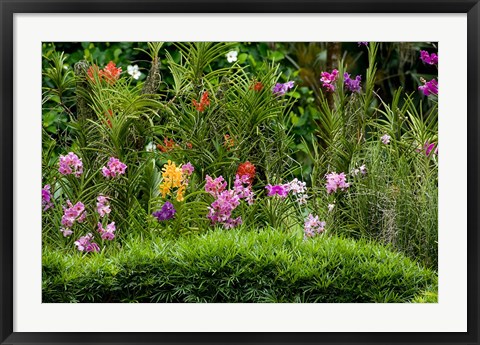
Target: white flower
{"x":150,"y":146}
{"x":330,"y":207}
{"x":232,"y":56}
{"x":302,"y":199}
{"x":385,"y":139}
{"x":134,"y":72}
{"x":297,"y":187}
{"x":363,"y":169}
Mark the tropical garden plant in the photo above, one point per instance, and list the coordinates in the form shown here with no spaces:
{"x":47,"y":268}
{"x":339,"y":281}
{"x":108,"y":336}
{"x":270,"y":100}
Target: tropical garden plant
{"x":228,"y":166}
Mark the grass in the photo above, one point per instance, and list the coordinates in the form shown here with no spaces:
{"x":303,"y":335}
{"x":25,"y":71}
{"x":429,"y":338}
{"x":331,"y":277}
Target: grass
{"x":237,"y":266}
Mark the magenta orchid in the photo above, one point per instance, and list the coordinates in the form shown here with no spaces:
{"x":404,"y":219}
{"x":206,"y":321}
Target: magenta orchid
{"x":328,"y":80}
{"x":336,"y":181}
{"x":46,"y":197}
{"x":114,"y":168}
{"x":85,"y":244}
{"x":70,"y":164}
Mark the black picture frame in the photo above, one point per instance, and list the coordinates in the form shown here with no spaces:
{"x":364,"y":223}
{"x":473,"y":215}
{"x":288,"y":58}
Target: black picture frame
{"x":9,"y":7}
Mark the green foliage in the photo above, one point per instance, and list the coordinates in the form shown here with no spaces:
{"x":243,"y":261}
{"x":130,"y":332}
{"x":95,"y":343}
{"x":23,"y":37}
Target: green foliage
{"x":236,"y":266}
{"x":396,"y":203}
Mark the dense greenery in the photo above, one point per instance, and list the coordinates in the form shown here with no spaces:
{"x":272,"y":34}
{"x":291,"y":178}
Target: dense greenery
{"x":134,"y":158}
{"x":236,"y":266}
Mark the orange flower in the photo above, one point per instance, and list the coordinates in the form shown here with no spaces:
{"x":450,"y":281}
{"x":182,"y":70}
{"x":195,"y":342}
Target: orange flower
{"x":173,"y":177}
{"x":169,"y":145}
{"x":110,"y":73}
{"x":203,"y":102}
{"x":257,"y":86}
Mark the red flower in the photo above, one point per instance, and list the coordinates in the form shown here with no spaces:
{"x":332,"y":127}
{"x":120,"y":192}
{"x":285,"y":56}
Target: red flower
{"x":189,"y":145}
{"x":247,"y":169}
{"x":110,"y":73}
{"x":203,"y":102}
{"x":169,"y":145}
{"x":257,"y":86}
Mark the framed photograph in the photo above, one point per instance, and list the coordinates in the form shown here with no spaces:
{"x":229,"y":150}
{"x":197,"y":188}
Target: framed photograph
{"x":239,"y":172}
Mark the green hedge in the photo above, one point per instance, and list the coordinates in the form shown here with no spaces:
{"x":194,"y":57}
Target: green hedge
{"x":237,"y":266}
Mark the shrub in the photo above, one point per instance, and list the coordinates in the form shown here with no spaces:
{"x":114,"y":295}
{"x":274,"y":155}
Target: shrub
{"x":236,"y":266}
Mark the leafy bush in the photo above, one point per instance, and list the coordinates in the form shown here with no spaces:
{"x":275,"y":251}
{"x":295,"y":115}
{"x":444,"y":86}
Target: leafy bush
{"x":237,"y":266}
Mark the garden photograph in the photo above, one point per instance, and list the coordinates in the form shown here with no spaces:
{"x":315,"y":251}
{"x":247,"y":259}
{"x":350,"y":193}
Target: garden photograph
{"x":239,"y":172}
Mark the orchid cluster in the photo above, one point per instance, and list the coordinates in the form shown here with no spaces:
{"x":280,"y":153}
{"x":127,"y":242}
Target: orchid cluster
{"x":352,"y":85}
{"x":110,"y":74}
{"x":295,"y":187}
{"x":167,"y":212}
{"x":103,"y":209}
{"x":313,"y":226}
{"x":72,"y":214}
{"x":429,"y":87}
{"x":247,"y":169}
{"x":70,"y":164}
{"x":336,"y":181}
{"x":85,"y":244}
{"x":328,"y":80}
{"x":279,"y":189}
{"x":107,"y":233}
{"x":114,"y":168}
{"x":299,"y":190}
{"x":188,"y":169}
{"x":430,"y":59}
{"x":169,"y":145}
{"x":215,"y":186}
{"x":77,"y":213}
{"x":243,"y":188}
{"x":103,"y":206}
{"x":204,"y":102}
{"x":281,"y":89}
{"x":227,"y":200}
{"x":46,"y":197}
{"x":175,"y":177}
{"x":221,"y":209}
